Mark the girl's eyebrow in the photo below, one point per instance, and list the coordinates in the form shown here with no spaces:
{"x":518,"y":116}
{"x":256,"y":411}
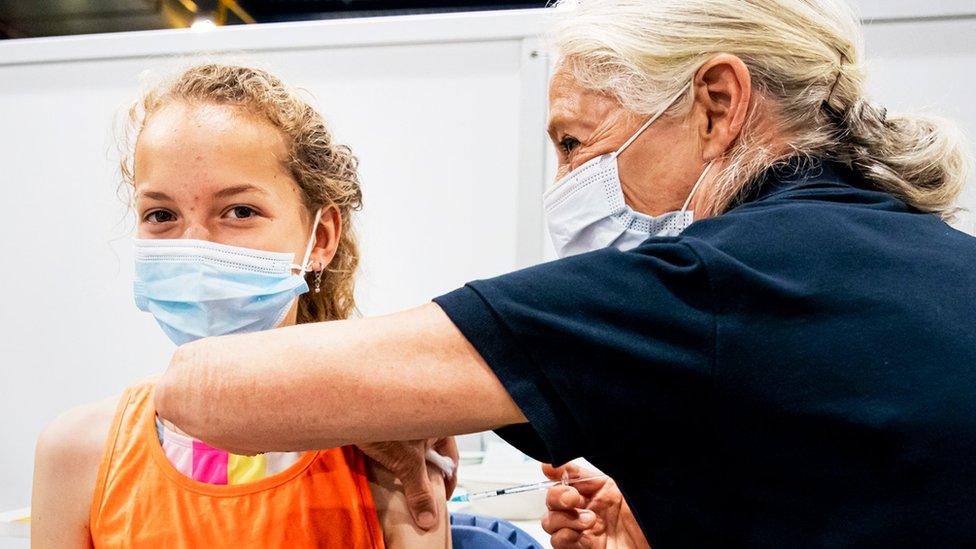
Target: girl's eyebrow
{"x":153,"y":195}
{"x":238,"y":189}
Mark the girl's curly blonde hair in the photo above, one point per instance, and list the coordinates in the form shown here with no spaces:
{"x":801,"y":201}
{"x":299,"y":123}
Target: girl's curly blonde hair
{"x":326,"y":172}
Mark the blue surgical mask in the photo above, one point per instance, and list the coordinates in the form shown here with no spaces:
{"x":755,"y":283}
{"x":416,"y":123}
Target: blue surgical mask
{"x":197,"y":288}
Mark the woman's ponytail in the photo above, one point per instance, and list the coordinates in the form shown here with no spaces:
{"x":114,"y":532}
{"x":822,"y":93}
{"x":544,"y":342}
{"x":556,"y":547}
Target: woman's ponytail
{"x":922,"y":160}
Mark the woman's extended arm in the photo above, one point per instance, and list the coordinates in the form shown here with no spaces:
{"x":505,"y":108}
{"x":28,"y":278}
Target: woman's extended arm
{"x":409,"y":375}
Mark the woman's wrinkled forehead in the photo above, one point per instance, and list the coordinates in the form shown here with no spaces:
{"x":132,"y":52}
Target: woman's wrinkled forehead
{"x":571,"y":106}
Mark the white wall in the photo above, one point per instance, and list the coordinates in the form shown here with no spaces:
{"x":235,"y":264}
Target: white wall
{"x":445,"y":113}
{"x":878,"y":10}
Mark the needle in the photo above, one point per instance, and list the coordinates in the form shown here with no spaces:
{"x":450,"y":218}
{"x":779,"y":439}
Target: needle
{"x":523,"y":488}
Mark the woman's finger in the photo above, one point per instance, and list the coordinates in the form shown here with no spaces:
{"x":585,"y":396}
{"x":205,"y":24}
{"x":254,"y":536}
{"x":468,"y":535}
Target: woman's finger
{"x":566,"y":539}
{"x":553,"y":521}
{"x":554,"y":473}
{"x":557,"y":473}
{"x":571,"y":472}
{"x":589,"y":488}
{"x":564,"y":498}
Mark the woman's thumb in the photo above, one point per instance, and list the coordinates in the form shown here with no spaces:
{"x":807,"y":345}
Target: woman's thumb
{"x":420,"y":498}
{"x":558,"y":473}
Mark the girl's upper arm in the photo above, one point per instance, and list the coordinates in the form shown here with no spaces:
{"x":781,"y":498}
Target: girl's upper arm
{"x":66,"y":462}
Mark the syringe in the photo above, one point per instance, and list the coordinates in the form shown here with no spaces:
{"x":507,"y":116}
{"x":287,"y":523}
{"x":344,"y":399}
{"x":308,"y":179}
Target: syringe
{"x":523,"y":488}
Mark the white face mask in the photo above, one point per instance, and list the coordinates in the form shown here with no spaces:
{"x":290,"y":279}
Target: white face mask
{"x":586,"y":210}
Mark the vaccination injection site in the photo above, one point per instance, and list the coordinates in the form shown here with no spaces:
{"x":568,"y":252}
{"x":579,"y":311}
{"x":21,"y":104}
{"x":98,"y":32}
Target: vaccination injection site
{"x":488,"y":274}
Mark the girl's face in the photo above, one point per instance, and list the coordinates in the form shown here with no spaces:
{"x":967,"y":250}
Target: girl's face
{"x":216,"y":172}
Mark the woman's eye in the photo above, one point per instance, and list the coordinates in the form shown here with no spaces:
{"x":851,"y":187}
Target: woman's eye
{"x":241,"y":212}
{"x":160,"y":216}
{"x":568,"y":144}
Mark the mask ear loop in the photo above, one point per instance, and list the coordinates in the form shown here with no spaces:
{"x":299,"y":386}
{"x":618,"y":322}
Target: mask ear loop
{"x":304,"y":267}
{"x":650,"y":121}
{"x":698,"y":183}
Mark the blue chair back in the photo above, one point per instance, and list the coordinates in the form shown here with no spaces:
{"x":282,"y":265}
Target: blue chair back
{"x":474,"y":532}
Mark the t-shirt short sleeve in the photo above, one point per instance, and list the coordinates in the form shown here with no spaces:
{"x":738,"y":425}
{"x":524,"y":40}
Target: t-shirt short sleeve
{"x":598,"y":348}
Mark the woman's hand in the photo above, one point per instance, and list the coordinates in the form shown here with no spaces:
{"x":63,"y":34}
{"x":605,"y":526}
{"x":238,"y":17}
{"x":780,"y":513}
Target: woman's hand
{"x":407,"y":460}
{"x":591,"y":514}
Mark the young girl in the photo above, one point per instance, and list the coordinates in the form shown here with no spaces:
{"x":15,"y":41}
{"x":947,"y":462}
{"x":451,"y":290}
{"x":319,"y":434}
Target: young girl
{"x":243,"y":203}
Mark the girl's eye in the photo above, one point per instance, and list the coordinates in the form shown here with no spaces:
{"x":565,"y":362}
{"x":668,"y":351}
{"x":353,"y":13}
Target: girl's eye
{"x":568,"y":144}
{"x":241,"y":212}
{"x":160,"y":216}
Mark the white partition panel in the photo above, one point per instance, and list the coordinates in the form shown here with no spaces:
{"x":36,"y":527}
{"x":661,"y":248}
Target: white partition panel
{"x":446,"y":114}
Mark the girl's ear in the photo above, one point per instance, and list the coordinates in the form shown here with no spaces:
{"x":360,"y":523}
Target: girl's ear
{"x":327,"y":236}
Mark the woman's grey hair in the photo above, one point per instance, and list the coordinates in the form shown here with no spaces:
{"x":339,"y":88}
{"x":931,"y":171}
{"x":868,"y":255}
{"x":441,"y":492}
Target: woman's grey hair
{"x":804,"y":57}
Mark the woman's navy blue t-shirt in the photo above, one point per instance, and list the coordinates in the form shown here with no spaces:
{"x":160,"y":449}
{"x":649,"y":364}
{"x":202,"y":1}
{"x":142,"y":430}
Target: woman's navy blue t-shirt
{"x":797,"y":372}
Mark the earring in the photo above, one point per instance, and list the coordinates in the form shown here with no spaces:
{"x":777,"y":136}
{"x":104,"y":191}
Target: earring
{"x":318,"y":278}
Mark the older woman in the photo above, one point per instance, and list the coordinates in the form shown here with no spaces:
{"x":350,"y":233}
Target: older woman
{"x":794,"y":368}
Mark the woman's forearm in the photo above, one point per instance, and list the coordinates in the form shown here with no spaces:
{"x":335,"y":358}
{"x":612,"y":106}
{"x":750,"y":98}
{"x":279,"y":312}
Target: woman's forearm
{"x":405,"y":376}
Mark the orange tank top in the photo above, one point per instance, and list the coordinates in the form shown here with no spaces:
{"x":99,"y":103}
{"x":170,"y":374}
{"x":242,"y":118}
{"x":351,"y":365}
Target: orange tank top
{"x":141,"y":500}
